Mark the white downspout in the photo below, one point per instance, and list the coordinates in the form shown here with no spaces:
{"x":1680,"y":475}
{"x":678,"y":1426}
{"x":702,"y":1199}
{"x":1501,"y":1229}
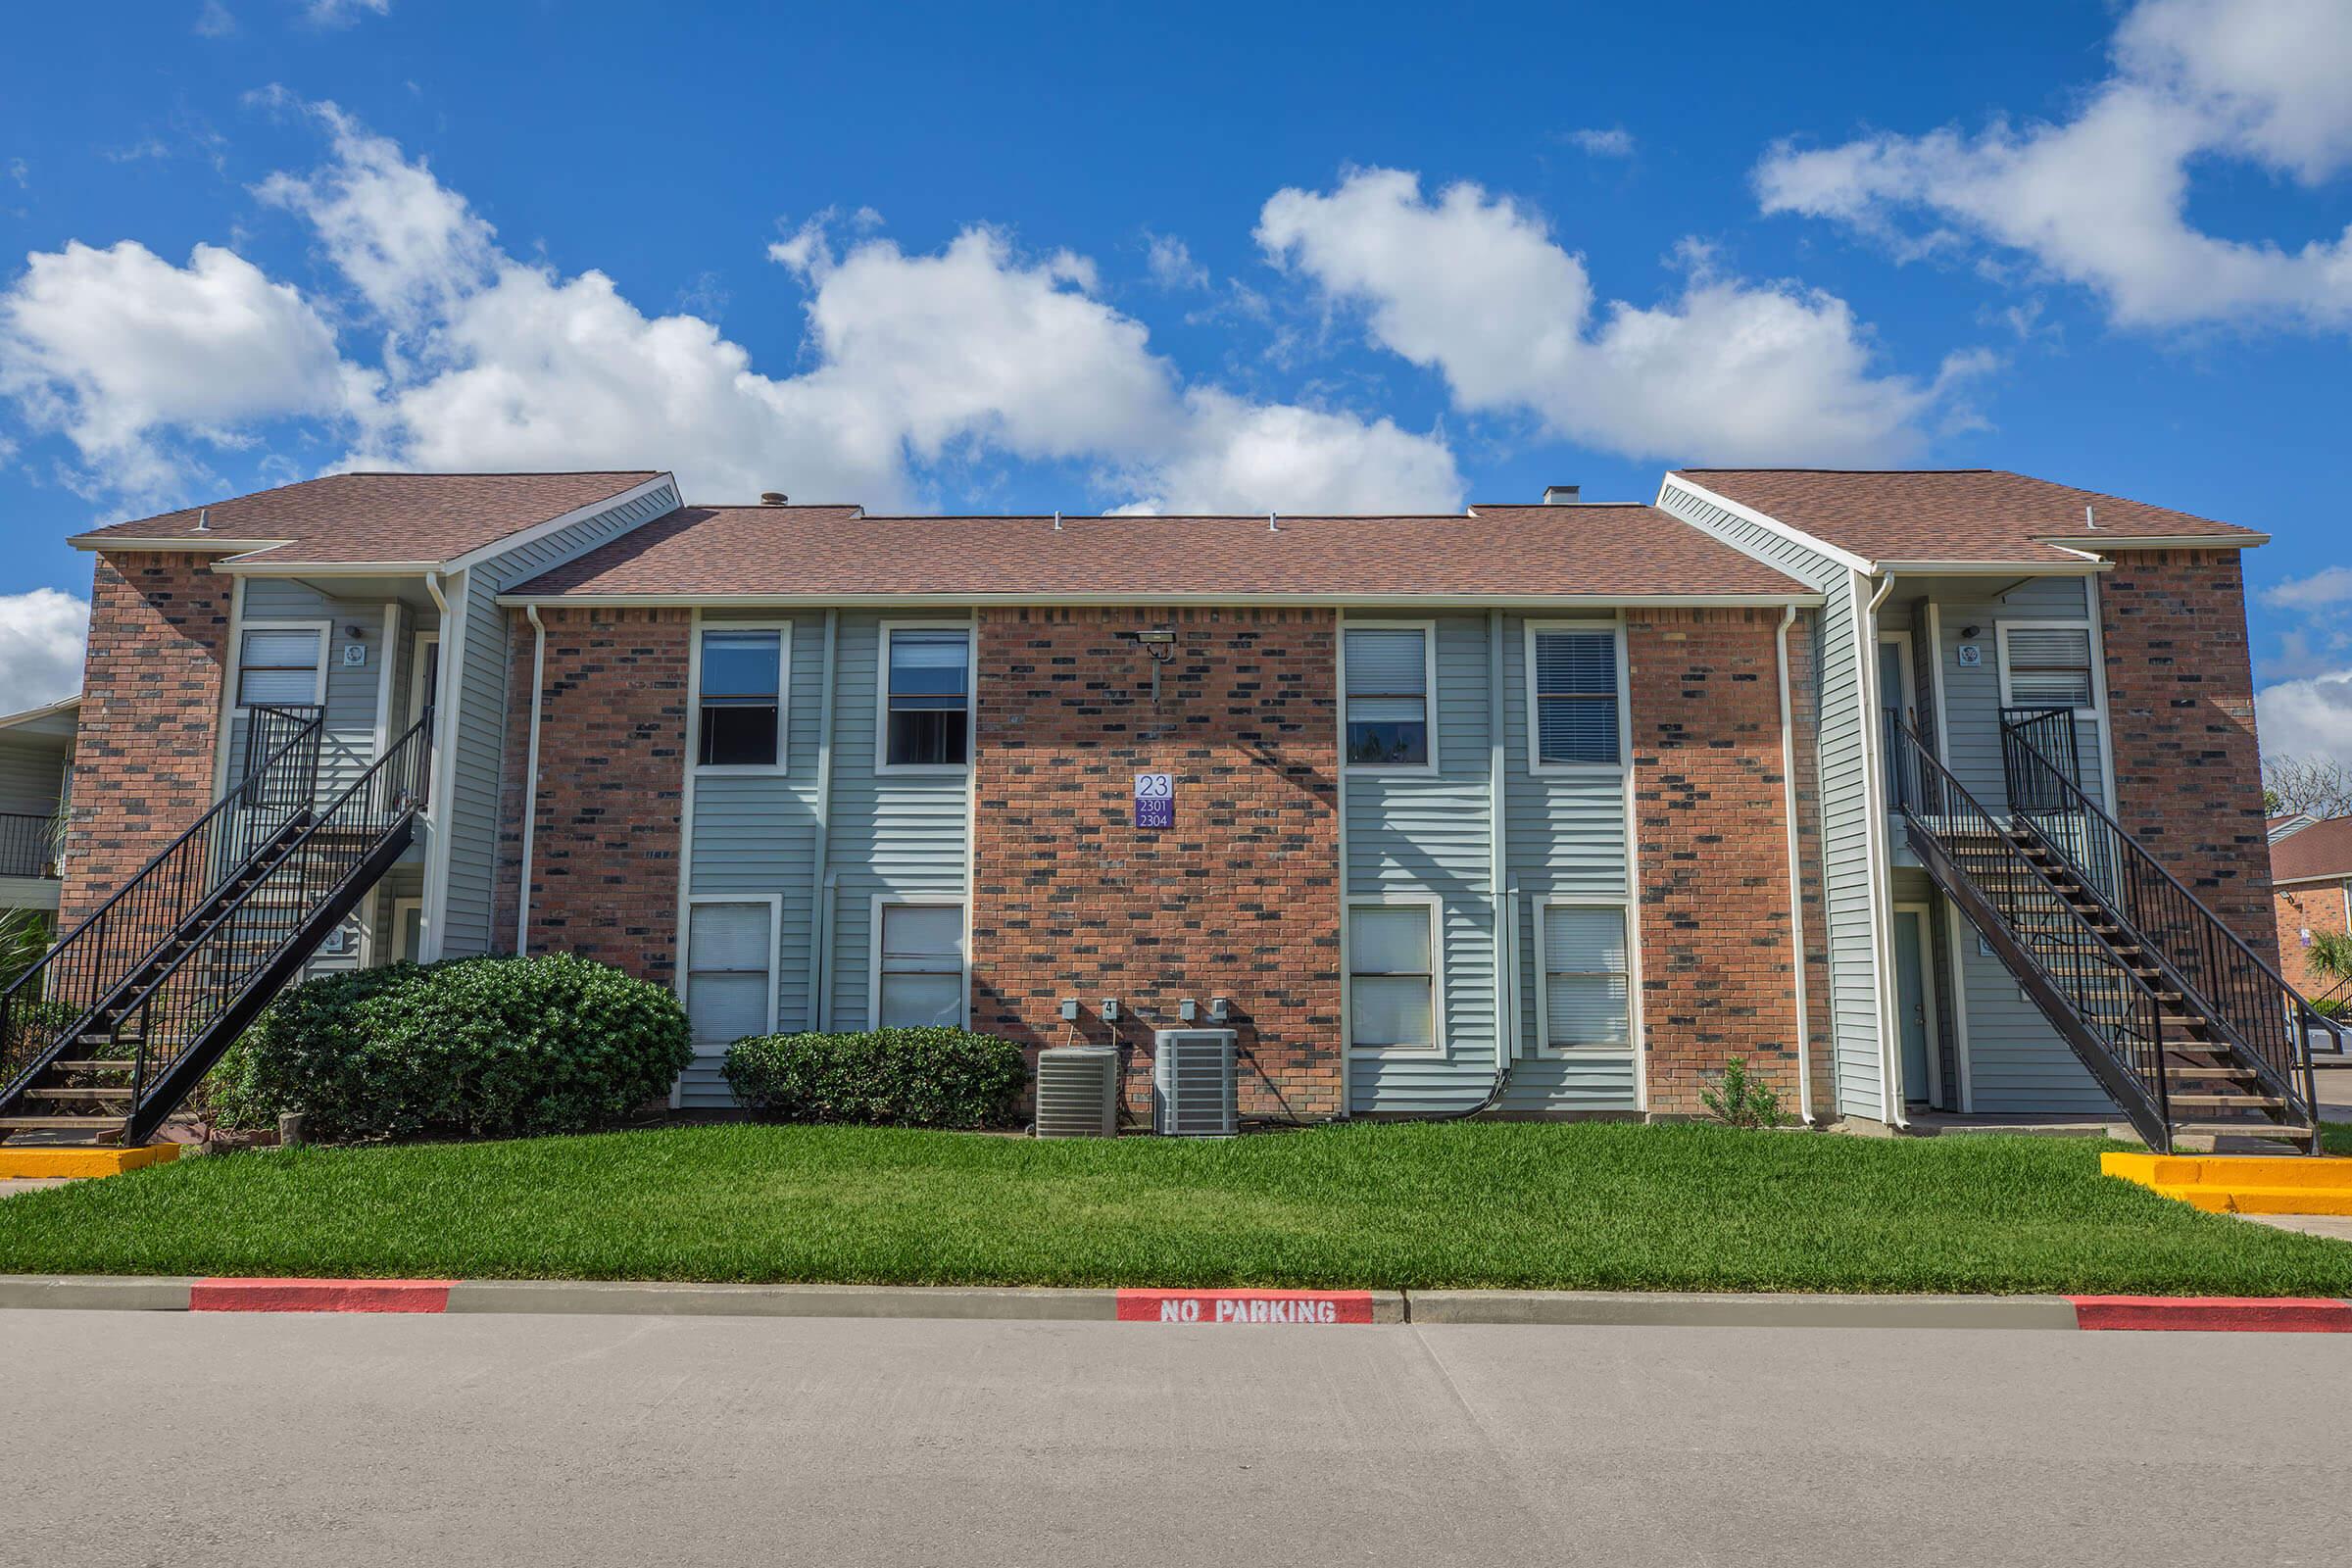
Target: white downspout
{"x":1881,"y":874}
{"x":1796,"y":899}
{"x":530,"y":781}
{"x":820,"y":885}
{"x":1507,"y":923}
{"x":436,"y":807}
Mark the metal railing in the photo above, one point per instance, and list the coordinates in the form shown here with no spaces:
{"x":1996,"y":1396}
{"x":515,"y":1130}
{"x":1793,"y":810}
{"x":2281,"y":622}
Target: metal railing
{"x":2072,"y":956}
{"x":2232,"y":985}
{"x":270,"y":912}
{"x":28,"y":845}
{"x":123,"y":935}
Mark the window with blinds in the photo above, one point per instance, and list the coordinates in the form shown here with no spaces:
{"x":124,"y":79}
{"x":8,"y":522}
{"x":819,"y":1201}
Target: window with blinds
{"x":741,"y":699}
{"x":1388,"y":697}
{"x":2048,"y":666}
{"x":1586,"y":986}
{"x":930,"y":698}
{"x":1392,"y":975}
{"x":1576,"y":697}
{"x":919,"y":979}
{"x":730,"y":977}
{"x":279,"y":666}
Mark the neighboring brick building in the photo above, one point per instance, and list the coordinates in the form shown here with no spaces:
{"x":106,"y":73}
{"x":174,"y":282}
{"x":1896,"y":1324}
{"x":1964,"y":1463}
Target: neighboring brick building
{"x":2311,"y":872}
{"x":1539,"y":810}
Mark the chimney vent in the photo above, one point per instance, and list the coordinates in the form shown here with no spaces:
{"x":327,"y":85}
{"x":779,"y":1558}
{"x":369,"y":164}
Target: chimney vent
{"x":1562,"y":494}
{"x":774,"y":498}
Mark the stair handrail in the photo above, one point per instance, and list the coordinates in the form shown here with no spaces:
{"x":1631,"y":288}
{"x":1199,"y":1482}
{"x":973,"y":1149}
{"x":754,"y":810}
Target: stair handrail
{"x":72,"y":954}
{"x":2236,"y":973}
{"x":1911,"y":801}
{"x":411,"y":754}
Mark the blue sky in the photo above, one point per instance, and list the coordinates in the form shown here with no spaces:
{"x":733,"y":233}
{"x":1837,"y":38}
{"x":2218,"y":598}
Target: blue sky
{"x":956,"y":257}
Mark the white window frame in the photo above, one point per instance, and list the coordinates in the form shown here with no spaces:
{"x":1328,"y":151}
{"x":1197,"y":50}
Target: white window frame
{"x":694,"y":685}
{"x":400,"y":908}
{"x":424,"y":651}
{"x":1545,"y":904}
{"x":1435,"y":1050}
{"x":325,"y":630}
{"x":884,"y":767}
{"x":1429,"y":698}
{"x":774,"y":904}
{"x":1535,"y":734}
{"x":873,"y":948}
{"x":2090,"y":638}
{"x":1907,"y":669}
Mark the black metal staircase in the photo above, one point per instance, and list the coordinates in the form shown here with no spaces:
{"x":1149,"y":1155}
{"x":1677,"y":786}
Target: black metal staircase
{"x":108,"y":1033}
{"x":2188,"y":1030}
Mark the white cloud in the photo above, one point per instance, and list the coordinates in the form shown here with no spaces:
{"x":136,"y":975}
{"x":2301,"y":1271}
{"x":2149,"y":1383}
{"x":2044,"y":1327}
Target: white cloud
{"x":1235,"y":456}
{"x":1615,"y":142}
{"x":344,"y":13}
{"x":1172,"y":265}
{"x":118,"y":348}
{"x":215,"y":20}
{"x":2310,"y":718}
{"x":1475,"y":287}
{"x":2329,"y":586}
{"x":2101,"y":199}
{"x":41,"y":636}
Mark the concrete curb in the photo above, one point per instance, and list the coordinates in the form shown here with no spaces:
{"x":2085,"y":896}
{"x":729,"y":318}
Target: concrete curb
{"x":1213,"y":1307}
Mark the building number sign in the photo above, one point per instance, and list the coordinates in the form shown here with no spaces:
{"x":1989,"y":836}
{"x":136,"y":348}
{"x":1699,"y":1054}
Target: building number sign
{"x":1155,"y":800}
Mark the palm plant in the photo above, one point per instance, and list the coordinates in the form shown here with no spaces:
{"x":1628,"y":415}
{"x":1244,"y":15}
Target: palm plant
{"x":24,"y":938}
{"x":2329,"y":956}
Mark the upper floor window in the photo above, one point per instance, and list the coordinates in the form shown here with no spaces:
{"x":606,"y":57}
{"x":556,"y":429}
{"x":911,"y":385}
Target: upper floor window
{"x":929,"y":700}
{"x":741,"y":699}
{"x":1388,"y":695}
{"x":1575,"y":697}
{"x":281,"y":667}
{"x":2047,"y":667}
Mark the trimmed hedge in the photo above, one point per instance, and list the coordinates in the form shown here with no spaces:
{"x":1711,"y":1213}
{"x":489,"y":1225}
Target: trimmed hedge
{"x":493,"y":1048}
{"x":881,"y":1077}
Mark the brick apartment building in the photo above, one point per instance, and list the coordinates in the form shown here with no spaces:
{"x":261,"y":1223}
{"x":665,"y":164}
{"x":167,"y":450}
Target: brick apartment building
{"x":1548,"y":809}
{"x":2311,"y":871}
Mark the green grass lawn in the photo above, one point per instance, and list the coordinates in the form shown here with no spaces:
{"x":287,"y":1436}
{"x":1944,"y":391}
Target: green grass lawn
{"x":1596,"y":1207}
{"x":2335,"y":1136}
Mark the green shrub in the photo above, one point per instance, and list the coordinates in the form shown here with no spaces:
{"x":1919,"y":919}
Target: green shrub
{"x":1737,"y":1101}
{"x":485,"y":1046}
{"x":882,"y":1077}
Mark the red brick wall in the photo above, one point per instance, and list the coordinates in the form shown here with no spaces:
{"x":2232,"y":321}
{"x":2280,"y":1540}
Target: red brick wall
{"x":1239,"y":898}
{"x":612,"y":786}
{"x":150,"y":715}
{"x":2317,"y":908}
{"x":1710,"y":824}
{"x":2180,"y":703}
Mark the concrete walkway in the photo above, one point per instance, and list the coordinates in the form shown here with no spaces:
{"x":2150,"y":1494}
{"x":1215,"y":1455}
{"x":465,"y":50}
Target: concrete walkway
{"x":456,"y":1440}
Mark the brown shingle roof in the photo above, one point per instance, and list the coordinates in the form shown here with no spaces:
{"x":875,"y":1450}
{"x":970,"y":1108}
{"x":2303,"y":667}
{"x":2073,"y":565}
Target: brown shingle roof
{"x":346,"y":519}
{"x":2324,"y":849}
{"x":1528,"y":552}
{"x":1957,"y":514}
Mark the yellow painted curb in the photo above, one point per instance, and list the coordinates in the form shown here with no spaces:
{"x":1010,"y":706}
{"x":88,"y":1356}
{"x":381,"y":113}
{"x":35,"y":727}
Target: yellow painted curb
{"x":35,"y":1164}
{"x":2241,"y":1183}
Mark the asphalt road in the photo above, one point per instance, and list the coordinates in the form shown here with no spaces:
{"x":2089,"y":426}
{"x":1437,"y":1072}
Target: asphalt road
{"x":133,"y":1439}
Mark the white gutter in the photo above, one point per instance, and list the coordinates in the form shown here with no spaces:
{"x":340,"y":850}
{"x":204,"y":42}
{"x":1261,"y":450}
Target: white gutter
{"x":1796,"y":898}
{"x":821,"y":885}
{"x":1506,"y":931}
{"x":1423,"y":603}
{"x":437,"y":807}
{"x":530,"y":781}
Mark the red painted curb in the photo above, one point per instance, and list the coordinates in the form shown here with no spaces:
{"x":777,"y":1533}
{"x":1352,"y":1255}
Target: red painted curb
{"x":2214,"y":1314}
{"x":318,"y":1296}
{"x":1223,"y":1307}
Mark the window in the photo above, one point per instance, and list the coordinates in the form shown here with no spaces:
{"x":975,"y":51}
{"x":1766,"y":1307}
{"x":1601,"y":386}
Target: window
{"x":918,"y":969}
{"x":742,"y":680}
{"x":2047,"y":667}
{"x":1388,"y":697}
{"x":730,"y":974}
{"x":425,"y":675}
{"x":1392,"y":975}
{"x":281,"y":667}
{"x":1586,"y":988}
{"x":928,"y":717}
{"x":1575,"y":696}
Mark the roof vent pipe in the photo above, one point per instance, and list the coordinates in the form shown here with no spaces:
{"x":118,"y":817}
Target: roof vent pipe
{"x":2090,"y":518}
{"x":1562,"y":494}
{"x":1272,"y":526}
{"x":1057,"y":523}
{"x":774,"y":498}
{"x":203,"y":520}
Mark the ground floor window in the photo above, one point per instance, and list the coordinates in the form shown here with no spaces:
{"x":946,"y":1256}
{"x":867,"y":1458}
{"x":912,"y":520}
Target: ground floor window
{"x":730,"y":968}
{"x":918,"y":964}
{"x":1586,"y":987}
{"x":1392,"y":975}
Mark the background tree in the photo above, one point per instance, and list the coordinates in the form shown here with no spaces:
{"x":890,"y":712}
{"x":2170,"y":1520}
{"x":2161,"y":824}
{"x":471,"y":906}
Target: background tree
{"x":2320,"y":786}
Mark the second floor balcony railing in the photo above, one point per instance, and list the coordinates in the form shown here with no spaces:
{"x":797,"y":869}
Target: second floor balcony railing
{"x":28,"y":845}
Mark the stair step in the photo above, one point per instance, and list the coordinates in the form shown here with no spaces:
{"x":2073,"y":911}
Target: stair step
{"x":40,"y":1092}
{"x":63,"y":1124}
{"x":94,"y":1064}
{"x":2246,"y":1129}
{"x":2267,"y":1101}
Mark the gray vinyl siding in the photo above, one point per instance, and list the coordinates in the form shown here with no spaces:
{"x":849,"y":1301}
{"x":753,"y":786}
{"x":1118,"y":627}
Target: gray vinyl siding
{"x":1850,"y":882}
{"x":347,"y":737}
{"x":1563,"y":833}
{"x":32,"y":773}
{"x":899,"y":835}
{"x":1973,"y":696}
{"x":1428,"y":833}
{"x":477,"y":735}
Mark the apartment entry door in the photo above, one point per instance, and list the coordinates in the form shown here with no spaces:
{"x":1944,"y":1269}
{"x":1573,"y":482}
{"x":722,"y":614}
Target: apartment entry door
{"x":1915,"y":998}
